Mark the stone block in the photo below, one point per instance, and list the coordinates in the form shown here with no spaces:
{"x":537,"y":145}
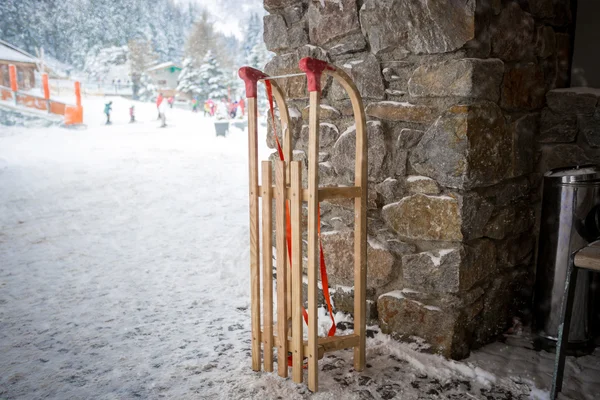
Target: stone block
{"x":542,"y":8}
{"x":406,"y":138}
{"x":501,"y":301}
{"x":343,"y":300}
{"x":443,"y":329}
{"x":589,"y":127}
{"x":580,"y":100}
{"x":271,"y":5}
{"x":351,"y":43}
{"x":326,"y":112}
{"x":450,"y":270}
{"x":275,"y":33}
{"x":293,"y":88}
{"x":561,"y":155}
{"x":421,"y":184}
{"x":510,"y":220}
{"x":545,"y":41}
{"x":295,"y":129}
{"x":343,"y":154}
{"x":512,"y":33}
{"x":468,"y":77}
{"x":297,"y":36}
{"x":330,"y":20}
{"x":516,"y":250}
{"x":391,"y":190}
{"x":396,"y":111}
{"x":338,"y":248}
{"x":426,"y":217}
{"x":327,"y":174}
{"x":366,"y":75}
{"x":524,"y":131}
{"x":523,"y":87}
{"x":328,"y":135}
{"x":468,"y":146}
{"x":507,"y":192}
{"x":293,"y":13}
{"x":282,"y":64}
{"x":418,"y":27}
{"x":557,"y":128}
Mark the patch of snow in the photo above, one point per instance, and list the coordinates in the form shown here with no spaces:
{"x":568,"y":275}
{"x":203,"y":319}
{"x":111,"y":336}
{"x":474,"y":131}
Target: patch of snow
{"x":376,"y":244}
{"x":330,"y":125}
{"x":440,"y":253}
{"x":397,"y":294}
{"x":397,"y":103}
{"x":294,"y":113}
{"x":414,"y":178}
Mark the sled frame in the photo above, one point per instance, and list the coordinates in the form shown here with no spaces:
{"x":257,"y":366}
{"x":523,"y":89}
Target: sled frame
{"x":286,"y":335}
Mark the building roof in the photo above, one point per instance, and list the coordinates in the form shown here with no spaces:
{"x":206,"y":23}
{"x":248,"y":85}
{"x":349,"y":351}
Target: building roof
{"x":8,"y":52}
{"x":164,"y":65}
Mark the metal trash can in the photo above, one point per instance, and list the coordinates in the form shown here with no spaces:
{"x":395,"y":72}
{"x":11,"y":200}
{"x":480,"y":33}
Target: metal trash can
{"x":570,"y":220}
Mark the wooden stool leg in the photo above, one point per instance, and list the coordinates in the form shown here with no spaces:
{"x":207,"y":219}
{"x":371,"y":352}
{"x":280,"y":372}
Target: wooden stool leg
{"x":313,"y":240}
{"x":297,"y":328}
{"x":267,"y":246}
{"x":282,"y":269}
{"x":563,"y":329}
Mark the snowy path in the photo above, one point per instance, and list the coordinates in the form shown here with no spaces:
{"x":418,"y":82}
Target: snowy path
{"x":124,"y":274}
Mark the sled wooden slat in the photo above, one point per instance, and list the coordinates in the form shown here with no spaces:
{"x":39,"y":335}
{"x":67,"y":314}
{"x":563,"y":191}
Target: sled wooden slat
{"x":313,"y":240}
{"x":267,"y":266}
{"x":254,"y":234}
{"x":296,"y":215}
{"x":342,"y":192}
{"x":287,"y":155}
{"x":282,"y":267}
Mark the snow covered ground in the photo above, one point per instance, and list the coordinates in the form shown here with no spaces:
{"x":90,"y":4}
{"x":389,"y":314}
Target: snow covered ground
{"x":124,"y":274}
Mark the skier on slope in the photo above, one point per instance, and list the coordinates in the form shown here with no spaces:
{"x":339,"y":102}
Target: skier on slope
{"x":131,"y":114}
{"x":162,"y":108}
{"x":107,"y":110}
{"x":159,"y":101}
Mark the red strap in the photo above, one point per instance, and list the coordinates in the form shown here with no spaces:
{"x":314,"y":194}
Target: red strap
{"x":288,"y":227}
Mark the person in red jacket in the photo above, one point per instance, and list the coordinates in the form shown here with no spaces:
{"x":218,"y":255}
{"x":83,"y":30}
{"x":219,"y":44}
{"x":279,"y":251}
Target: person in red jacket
{"x":159,"y":100}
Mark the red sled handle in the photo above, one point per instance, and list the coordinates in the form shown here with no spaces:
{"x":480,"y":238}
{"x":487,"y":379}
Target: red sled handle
{"x":314,"y":69}
{"x":251,"y":76}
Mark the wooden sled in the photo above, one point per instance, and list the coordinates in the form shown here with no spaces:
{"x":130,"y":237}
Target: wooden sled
{"x":287,"y":187}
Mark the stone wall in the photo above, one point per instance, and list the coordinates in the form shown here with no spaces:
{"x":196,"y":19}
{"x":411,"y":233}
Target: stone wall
{"x":453,"y":93}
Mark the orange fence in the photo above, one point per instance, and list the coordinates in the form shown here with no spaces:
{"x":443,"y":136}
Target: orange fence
{"x":73,"y":113}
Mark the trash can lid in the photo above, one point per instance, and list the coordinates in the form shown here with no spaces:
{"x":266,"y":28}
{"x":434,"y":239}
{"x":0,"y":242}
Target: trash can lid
{"x":577,"y":173}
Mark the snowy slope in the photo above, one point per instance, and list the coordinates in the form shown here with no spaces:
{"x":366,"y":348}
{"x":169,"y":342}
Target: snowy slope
{"x":124,"y":274}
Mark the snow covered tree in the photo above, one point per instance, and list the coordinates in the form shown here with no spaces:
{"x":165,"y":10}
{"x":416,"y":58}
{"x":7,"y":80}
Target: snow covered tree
{"x":212,"y":78}
{"x":141,"y":57}
{"x":98,"y":65}
{"x":147,"y":91}
{"x":201,"y":38}
{"x":255,"y":50}
{"x":189,"y":79}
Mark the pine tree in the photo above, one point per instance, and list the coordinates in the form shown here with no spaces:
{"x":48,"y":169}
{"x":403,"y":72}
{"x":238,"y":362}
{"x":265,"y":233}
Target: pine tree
{"x":189,"y":79}
{"x":212,"y":78}
{"x":147,"y":90}
{"x":255,"y":50}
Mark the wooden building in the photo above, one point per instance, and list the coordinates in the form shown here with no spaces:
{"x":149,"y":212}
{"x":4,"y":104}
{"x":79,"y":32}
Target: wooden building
{"x":26,"y":66}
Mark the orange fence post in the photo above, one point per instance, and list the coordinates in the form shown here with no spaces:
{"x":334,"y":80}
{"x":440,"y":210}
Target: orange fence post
{"x":46,"y":86}
{"x":12,"y":73}
{"x":78,"y":94}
